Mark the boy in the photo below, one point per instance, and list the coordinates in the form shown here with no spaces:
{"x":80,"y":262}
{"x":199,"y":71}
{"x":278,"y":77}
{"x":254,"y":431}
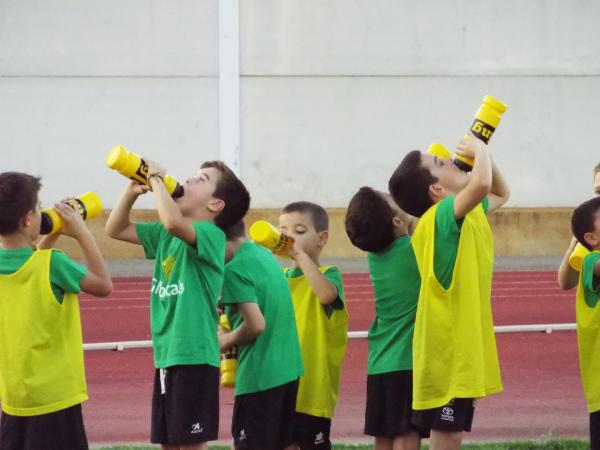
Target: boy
{"x":455,"y":358}
{"x":188,"y":245}
{"x":42,"y":378}
{"x":321,"y":320}
{"x":585,"y":224}
{"x":567,"y":276}
{"x":260,"y":311}
{"x":376,"y":225}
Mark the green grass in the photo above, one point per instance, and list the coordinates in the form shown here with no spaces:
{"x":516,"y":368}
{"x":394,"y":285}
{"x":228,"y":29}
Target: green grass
{"x":554,"y":444}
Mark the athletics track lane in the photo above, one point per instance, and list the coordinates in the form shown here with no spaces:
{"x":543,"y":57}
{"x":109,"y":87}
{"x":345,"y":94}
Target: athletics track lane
{"x":540,"y":371}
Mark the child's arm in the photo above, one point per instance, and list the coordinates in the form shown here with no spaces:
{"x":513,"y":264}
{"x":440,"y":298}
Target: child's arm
{"x":97,"y":280}
{"x":325,"y":291}
{"x":168,"y":211}
{"x":480,"y":181}
{"x":48,"y":241}
{"x":567,"y":276}
{"x":499,"y":192}
{"x":118,"y":225}
{"x":251,"y":327}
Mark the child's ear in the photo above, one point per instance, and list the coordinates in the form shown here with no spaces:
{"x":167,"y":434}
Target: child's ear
{"x":592,"y":239}
{"x":216,"y":205}
{"x":435,"y":190}
{"x":27,"y":218}
{"x":323,"y":238}
{"x":399,"y":225}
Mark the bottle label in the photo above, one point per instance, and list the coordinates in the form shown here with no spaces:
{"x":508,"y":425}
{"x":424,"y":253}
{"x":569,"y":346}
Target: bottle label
{"x":482,"y":130}
{"x":78,"y":206}
{"x":230,"y":354}
{"x":281,"y":243}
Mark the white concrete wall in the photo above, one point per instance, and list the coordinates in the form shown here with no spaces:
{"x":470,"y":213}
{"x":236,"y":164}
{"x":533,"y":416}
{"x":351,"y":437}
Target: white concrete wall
{"x":79,"y":76}
{"x":333,"y":93}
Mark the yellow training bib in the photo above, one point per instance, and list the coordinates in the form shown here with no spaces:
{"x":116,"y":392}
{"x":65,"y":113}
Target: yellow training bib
{"x":323,"y":342}
{"x":454,"y":347}
{"x":41,"y":350}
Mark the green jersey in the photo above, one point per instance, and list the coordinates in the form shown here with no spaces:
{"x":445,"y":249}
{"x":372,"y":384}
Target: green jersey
{"x":396,"y":282}
{"x":447,"y":235}
{"x":65,"y":274}
{"x":186,"y":284}
{"x":274,"y":357}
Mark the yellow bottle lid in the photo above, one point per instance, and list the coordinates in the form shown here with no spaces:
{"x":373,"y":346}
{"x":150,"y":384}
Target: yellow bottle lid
{"x":439,"y":150}
{"x":577,"y":257}
{"x":494,"y":103}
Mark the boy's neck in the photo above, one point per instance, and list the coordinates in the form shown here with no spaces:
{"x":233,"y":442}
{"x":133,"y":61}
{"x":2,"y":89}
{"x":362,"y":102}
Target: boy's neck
{"x":15,"y":241}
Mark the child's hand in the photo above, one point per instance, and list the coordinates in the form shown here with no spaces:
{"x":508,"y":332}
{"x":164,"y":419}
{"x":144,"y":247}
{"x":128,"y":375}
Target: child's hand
{"x":74,"y":225}
{"x":294,"y":250}
{"x":469,"y":146}
{"x":155,"y":168}
{"x":137,"y":189}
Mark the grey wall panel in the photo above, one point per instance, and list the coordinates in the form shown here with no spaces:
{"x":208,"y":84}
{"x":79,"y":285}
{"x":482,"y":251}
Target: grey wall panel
{"x":109,"y":37}
{"x":395,"y":37}
{"x":62,"y":129}
{"x":322,"y":138}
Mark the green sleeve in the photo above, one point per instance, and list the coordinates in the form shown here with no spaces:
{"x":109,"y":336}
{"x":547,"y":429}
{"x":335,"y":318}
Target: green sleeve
{"x":334,"y":276}
{"x":238,"y":286}
{"x":591,"y":283}
{"x":65,"y":275}
{"x":210,"y":242}
{"x":485,"y":203}
{"x":148,"y":233}
{"x":447,"y":235}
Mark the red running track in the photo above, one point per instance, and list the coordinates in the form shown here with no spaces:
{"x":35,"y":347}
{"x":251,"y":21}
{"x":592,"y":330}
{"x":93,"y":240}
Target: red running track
{"x":542,"y":396}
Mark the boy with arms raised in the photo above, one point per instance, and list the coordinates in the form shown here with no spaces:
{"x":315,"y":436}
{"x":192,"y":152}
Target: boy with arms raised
{"x":321,"y":320}
{"x":42,"y":378}
{"x":454,"y":347}
{"x":585,"y":224}
{"x":567,"y":276}
{"x":376,"y":225}
{"x":259,"y":308}
{"x":188,"y":245}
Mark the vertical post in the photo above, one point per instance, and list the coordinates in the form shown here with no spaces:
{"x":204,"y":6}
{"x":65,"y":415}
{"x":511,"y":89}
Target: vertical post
{"x":229,"y":84}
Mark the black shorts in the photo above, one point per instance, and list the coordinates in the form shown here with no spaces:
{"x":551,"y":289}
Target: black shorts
{"x":457,"y":415}
{"x":59,"y":430}
{"x":185,"y":405}
{"x":265,"y":420}
{"x":312,"y":432}
{"x":595,"y":430}
{"x":389,"y":405}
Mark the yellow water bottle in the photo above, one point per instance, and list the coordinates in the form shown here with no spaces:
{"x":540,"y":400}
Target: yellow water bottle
{"x":88,"y":205}
{"x":265,"y":234}
{"x":228,"y":359}
{"x":135,"y":168}
{"x":485,"y":123}
{"x":576,"y":258}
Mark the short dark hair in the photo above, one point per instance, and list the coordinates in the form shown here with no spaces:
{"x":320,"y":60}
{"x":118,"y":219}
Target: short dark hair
{"x":232,"y":191}
{"x":237,"y":230}
{"x":409,"y":185}
{"x":582,"y":220}
{"x":317,"y":213}
{"x":18,"y":195}
{"x":369,"y":221}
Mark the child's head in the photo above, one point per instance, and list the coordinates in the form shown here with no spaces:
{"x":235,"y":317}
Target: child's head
{"x":585,"y":224}
{"x":19,"y":205}
{"x":307,"y":223}
{"x":422,"y":179}
{"x":597,"y":180}
{"x":215,"y":193}
{"x":374,"y":221}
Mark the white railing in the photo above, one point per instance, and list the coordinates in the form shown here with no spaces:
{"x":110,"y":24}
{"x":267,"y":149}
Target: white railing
{"x":546,"y":328}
